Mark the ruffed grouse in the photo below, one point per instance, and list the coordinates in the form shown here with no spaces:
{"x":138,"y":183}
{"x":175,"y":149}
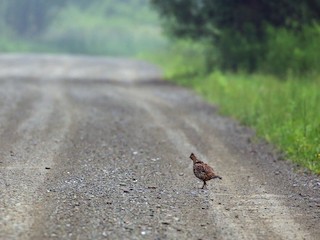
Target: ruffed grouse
{"x":202,"y":170}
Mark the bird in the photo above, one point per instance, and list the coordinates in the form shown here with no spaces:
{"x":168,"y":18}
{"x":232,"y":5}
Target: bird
{"x":202,"y":170}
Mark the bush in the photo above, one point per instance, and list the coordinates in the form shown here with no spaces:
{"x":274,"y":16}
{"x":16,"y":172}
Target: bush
{"x":292,"y":53}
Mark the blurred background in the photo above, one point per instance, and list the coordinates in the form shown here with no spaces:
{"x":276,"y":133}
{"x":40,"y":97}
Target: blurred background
{"x":258,"y":60}
{"x":95,"y":27}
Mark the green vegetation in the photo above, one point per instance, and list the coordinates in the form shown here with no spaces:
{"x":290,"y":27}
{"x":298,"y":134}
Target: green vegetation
{"x":97,"y":27}
{"x":290,"y":53}
{"x":241,"y":33}
{"x":259,"y":61}
{"x":283,"y":111}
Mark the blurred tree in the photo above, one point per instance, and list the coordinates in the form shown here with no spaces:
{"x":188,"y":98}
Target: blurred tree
{"x":84,"y":3}
{"x":29,"y":17}
{"x":236,"y":27}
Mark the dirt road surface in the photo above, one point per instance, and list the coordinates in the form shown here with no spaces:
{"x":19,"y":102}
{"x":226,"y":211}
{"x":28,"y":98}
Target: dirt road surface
{"x":94,"y":148}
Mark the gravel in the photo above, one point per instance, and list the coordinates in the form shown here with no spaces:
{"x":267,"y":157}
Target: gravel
{"x":97,"y":148}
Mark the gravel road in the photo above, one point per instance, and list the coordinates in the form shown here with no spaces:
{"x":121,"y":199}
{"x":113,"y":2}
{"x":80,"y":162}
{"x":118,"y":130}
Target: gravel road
{"x":96,"y":148}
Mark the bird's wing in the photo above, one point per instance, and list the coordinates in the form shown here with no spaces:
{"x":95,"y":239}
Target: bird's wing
{"x":207,"y":167}
{"x":209,"y":172}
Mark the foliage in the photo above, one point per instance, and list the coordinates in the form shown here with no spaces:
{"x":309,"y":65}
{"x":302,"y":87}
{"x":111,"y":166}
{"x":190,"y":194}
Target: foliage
{"x":238,"y":29}
{"x":175,"y":56}
{"x":28,"y":17}
{"x":292,"y":53}
{"x":99,"y":27}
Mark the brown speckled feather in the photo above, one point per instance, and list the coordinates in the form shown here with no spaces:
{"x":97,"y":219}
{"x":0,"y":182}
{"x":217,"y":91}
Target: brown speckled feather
{"x":202,"y":170}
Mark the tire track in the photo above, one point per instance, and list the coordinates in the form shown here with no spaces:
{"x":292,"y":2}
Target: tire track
{"x":40,"y":136}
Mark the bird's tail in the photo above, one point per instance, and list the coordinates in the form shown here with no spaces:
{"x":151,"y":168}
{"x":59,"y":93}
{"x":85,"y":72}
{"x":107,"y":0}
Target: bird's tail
{"x":217,"y":177}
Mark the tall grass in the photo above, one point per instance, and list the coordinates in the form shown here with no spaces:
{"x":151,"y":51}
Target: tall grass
{"x":286,"y":113}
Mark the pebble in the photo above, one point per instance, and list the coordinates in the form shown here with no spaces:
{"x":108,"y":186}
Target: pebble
{"x":165,"y":223}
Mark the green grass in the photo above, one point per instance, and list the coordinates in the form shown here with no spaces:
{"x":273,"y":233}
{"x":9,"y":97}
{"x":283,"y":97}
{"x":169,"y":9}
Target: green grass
{"x":285,"y":112}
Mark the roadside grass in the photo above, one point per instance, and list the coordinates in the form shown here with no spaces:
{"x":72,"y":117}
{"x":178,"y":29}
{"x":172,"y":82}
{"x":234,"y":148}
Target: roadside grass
{"x":285,"y":112}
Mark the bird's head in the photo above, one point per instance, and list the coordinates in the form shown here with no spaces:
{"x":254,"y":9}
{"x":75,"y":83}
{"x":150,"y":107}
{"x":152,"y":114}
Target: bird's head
{"x":193,"y":157}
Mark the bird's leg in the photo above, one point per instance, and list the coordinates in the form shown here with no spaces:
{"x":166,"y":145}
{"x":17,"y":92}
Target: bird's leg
{"x":204,"y":185}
